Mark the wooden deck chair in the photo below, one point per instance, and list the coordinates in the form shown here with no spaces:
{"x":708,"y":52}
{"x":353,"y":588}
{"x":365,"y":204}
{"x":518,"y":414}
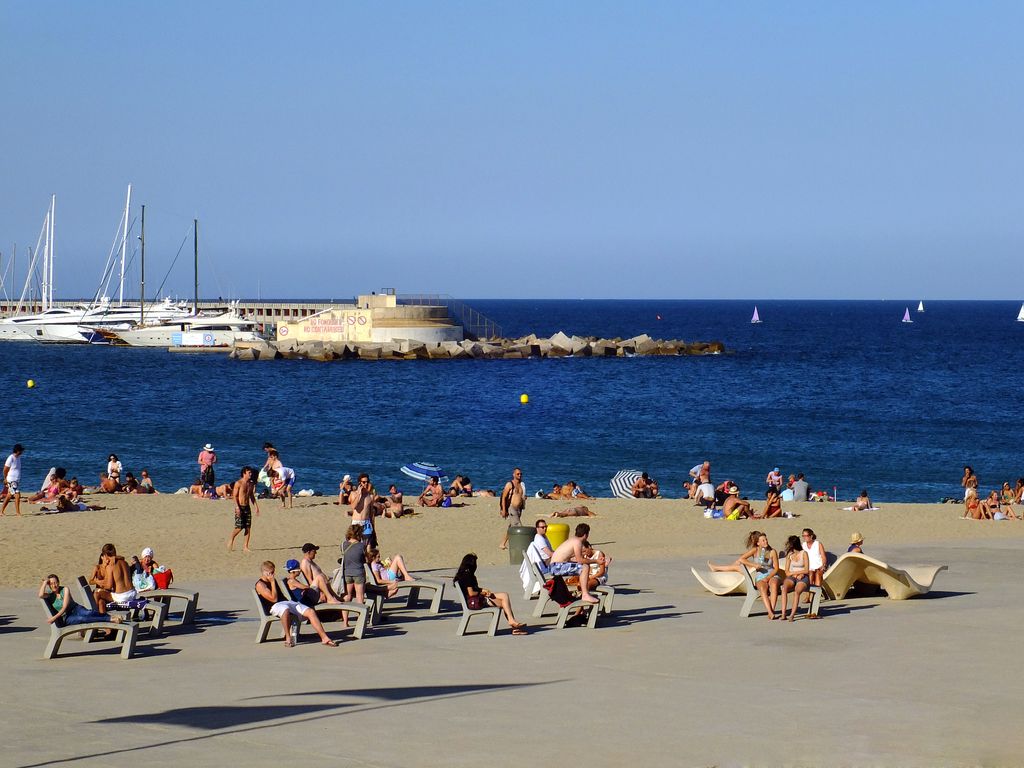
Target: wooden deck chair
{"x":332,"y":612}
{"x":191,"y":599}
{"x":721,"y":582}
{"x":493,"y":611}
{"x":431,"y":585}
{"x":898,"y":583}
{"x":155,"y":612}
{"x":592,"y":616}
{"x":127,"y":630}
{"x":753,"y":597}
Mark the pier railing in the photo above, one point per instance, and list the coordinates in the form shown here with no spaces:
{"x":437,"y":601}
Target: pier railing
{"x":474,"y":324}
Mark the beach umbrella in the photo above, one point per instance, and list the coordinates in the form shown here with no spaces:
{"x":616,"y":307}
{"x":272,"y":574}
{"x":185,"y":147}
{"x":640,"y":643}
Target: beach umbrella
{"x":421,"y":470}
{"x":622,"y":483}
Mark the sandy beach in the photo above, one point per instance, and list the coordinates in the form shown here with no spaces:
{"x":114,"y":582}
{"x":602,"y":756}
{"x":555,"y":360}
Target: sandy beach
{"x":190,"y":534}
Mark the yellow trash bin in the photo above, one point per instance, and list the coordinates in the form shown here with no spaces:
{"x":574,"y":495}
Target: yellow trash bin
{"x":557,"y":533}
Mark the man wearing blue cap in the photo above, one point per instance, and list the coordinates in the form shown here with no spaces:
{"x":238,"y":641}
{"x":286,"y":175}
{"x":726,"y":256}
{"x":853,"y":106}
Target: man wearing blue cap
{"x":774,"y":480}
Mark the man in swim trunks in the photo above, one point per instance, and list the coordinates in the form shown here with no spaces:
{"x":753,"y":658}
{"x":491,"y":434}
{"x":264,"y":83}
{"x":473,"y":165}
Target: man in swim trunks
{"x":112,"y":578}
{"x":363,"y":502}
{"x":734,"y":505}
{"x":512,"y":503}
{"x":574,"y":512}
{"x":568,"y":560}
{"x":244,"y":495}
{"x":433,"y":495}
{"x":12,"y":480}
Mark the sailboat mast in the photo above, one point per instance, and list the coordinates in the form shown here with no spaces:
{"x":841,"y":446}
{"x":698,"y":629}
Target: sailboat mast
{"x":195,"y":266}
{"x":142,"y":268}
{"x":53,"y":223}
{"x":124,"y":245}
{"x":46,"y":260}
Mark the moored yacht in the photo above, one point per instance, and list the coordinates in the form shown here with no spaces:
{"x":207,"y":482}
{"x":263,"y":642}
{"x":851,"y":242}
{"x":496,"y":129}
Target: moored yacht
{"x":194,"y":331}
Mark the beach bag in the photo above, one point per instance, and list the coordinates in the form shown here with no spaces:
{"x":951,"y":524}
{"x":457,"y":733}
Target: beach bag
{"x":163,"y":578}
{"x":447,"y":501}
{"x":142,"y":581}
{"x":475,"y":602}
{"x":558,"y":591}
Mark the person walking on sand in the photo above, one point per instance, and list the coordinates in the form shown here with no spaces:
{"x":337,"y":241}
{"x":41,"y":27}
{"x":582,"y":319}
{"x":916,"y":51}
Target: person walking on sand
{"x":568,"y":560}
{"x":207,"y":458}
{"x":12,"y":480}
{"x":244,"y":495}
{"x":512,"y":503}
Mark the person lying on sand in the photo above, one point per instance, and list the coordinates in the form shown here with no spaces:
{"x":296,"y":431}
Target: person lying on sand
{"x":555,"y":493}
{"x":574,"y":512}
{"x":863,"y":502}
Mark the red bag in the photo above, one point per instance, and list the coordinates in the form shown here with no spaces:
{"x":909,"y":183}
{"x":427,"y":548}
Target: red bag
{"x":163,"y":579}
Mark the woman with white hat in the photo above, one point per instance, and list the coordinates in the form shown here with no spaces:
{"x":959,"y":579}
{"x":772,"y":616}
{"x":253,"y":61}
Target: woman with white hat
{"x":207,"y":458}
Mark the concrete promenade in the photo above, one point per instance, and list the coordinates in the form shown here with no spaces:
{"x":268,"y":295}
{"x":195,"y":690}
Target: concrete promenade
{"x":675,"y":678}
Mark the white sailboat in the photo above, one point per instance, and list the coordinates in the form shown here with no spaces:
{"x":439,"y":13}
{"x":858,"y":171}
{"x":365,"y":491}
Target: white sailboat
{"x":920,"y":306}
{"x":756,"y":318}
{"x":906,"y":316}
{"x":1020,"y":315}
{"x":14,"y":328}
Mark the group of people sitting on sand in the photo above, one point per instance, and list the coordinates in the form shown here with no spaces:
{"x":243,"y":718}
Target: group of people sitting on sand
{"x":998,"y":505}
{"x":565,"y":492}
{"x":645,"y":487}
{"x":805,"y":567}
{"x":111,"y":480}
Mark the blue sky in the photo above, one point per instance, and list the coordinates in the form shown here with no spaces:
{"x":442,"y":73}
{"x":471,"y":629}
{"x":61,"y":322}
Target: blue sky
{"x":578,"y":149}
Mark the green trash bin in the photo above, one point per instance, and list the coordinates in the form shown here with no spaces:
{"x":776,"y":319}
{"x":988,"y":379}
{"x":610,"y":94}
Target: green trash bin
{"x":519,"y":538}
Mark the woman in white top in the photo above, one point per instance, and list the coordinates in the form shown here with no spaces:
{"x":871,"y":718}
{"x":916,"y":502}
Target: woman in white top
{"x":114,"y":468}
{"x":815,"y":560}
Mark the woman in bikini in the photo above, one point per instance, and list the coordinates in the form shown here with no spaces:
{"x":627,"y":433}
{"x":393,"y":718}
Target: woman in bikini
{"x":972,"y":507}
{"x":798,"y":575}
{"x":750,"y":551}
{"x":765,"y":565}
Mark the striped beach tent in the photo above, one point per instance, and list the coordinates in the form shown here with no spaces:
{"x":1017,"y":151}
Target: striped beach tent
{"x":622,"y":483}
{"x":421,"y":470}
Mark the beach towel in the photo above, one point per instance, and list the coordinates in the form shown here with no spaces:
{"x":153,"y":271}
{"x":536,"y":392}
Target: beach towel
{"x":558,"y":591}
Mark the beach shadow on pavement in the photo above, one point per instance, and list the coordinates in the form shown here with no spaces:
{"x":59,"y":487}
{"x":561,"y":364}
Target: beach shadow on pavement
{"x":8,"y":630}
{"x":214,"y":718}
{"x":640,"y":615}
{"x":938,"y":594}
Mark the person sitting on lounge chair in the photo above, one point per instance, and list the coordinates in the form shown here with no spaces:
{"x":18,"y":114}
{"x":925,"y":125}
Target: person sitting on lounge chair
{"x":737,"y":565}
{"x":388,"y":574}
{"x":477,"y":597}
{"x":287,"y":610}
{"x":315,"y":576}
{"x":66,"y":611}
{"x":797,"y":578}
{"x":568,"y":560}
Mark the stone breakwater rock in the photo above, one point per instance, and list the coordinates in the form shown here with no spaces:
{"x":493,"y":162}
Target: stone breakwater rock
{"x":558,"y":345}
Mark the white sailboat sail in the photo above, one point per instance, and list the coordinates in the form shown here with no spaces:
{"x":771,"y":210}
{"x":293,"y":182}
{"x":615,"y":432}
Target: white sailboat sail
{"x":920,"y":306}
{"x":906,"y":316}
{"x":1020,"y":315}
{"x":755,"y":318}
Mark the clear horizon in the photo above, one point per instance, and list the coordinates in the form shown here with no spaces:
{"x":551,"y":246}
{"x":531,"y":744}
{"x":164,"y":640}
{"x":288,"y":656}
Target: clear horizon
{"x":720,"y":151}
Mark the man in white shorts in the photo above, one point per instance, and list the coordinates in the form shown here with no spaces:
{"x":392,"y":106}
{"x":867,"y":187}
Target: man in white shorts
{"x":286,"y":610}
{"x":12,"y":480}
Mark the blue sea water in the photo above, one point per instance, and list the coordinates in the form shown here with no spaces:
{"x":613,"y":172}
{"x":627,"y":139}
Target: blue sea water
{"x":842,"y":391}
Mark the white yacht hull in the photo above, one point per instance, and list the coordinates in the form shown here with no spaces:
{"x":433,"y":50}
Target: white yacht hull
{"x":175,"y":337}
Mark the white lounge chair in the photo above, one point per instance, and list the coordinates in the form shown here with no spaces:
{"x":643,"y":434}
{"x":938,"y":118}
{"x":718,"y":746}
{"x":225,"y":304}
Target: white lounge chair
{"x":188,"y":611}
{"x":331,"y":612}
{"x":721,"y":582}
{"x":898,"y":583}
{"x":128,"y":631}
{"x":493,"y":611}
{"x":156,"y":612}
{"x":413,"y":587}
{"x":606,"y":592}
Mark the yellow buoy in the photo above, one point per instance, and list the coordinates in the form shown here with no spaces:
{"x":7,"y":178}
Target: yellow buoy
{"x":31,"y":383}
{"x":524,"y":398}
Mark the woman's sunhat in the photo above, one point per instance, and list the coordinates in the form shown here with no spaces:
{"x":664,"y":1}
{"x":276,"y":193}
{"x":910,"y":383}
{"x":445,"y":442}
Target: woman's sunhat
{"x":207,"y":447}
{"x":856,"y":538}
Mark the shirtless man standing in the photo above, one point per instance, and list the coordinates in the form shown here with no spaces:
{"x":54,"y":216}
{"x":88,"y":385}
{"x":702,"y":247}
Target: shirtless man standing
{"x":112,"y":578}
{"x":244,"y":495}
{"x":363,"y":500}
{"x":513,"y":503}
{"x":568,"y":560}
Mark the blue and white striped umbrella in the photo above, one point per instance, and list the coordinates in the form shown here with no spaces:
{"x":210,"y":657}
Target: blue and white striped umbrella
{"x":622,"y":483}
{"x":421,"y":470}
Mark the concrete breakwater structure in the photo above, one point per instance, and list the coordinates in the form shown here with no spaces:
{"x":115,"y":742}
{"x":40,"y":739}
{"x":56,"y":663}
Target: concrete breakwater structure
{"x":558,"y":345}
